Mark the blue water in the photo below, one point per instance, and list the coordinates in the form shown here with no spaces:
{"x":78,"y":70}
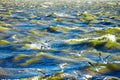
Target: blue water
{"x":38,"y":32}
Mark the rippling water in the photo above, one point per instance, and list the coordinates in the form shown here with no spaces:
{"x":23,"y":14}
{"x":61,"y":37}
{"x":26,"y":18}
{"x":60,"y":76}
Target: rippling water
{"x":68,"y":38}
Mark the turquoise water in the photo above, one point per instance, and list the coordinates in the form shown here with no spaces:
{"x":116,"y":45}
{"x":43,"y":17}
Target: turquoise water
{"x":47,"y":35}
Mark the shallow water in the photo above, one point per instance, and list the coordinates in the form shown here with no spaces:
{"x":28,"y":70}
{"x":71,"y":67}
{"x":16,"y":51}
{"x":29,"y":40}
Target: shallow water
{"x":46,"y":35}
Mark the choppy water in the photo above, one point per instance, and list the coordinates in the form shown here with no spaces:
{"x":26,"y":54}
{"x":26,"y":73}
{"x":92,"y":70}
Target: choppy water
{"x":46,"y":35}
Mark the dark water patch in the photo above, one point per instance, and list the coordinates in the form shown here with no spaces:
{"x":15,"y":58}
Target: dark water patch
{"x":109,"y":50}
{"x":21,"y":14}
{"x":5,"y":56}
{"x":76,"y":32}
{"x":7,"y":47}
{"x":53,"y":31}
{"x":113,"y":75}
{"x":43,"y":63}
{"x":79,"y":46}
{"x":82,"y":24}
{"x":25,"y":51}
{"x":59,"y":45}
{"x":60,"y":23}
{"x":58,"y":53}
{"x":28,"y":26}
{"x":7,"y":63}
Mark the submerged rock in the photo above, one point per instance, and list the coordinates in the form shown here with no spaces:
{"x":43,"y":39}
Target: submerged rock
{"x":106,"y":41}
{"x":87,"y":17}
{"x":20,"y":56}
{"x":105,"y":44}
{"x":3,"y":29}
{"x":4,"y":42}
{"x":29,"y":62}
{"x":112,"y":45}
{"x":57,"y":29}
{"x":3,"y":72}
{"x":114,"y":31}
